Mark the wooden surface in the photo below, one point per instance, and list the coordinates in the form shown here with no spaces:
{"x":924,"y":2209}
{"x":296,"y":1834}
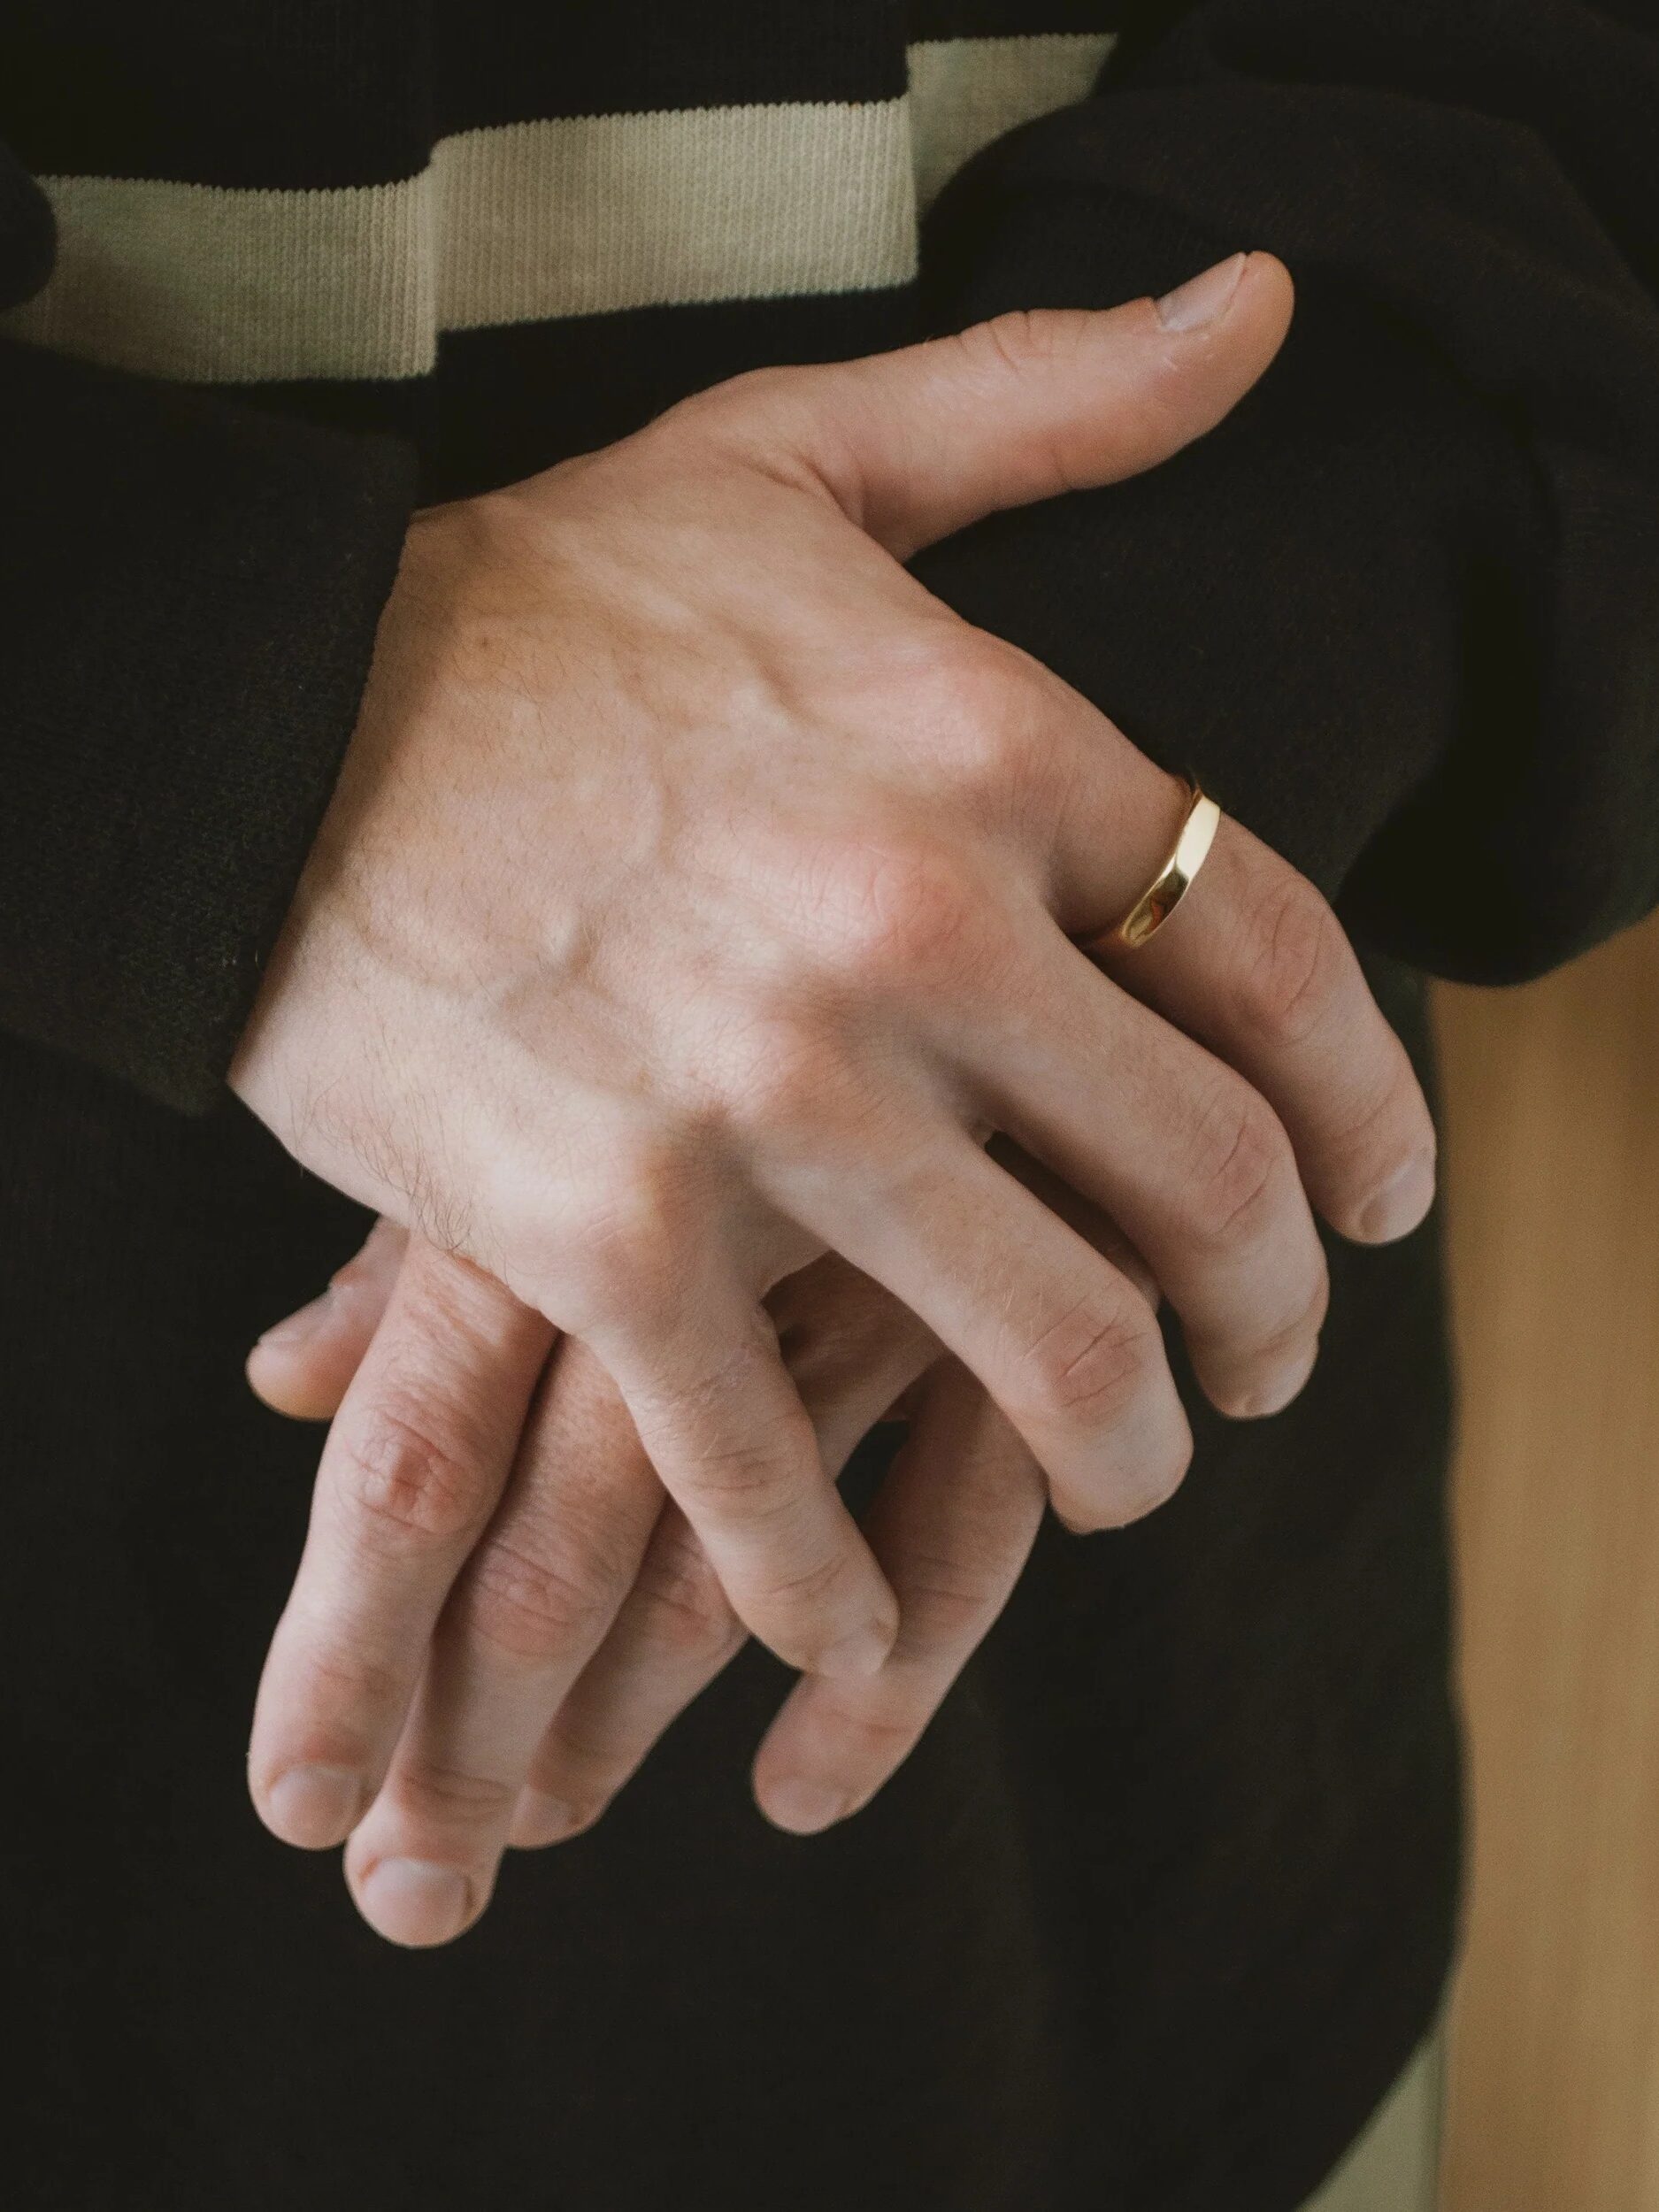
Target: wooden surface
{"x":1552,"y":1179}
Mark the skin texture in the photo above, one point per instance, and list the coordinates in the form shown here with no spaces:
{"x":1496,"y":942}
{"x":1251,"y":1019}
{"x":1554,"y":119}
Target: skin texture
{"x":952,"y":1529}
{"x":694,"y":901}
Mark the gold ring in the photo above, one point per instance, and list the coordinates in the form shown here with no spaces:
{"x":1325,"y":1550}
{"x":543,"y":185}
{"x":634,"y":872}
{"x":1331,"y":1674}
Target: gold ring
{"x":1172,"y":881}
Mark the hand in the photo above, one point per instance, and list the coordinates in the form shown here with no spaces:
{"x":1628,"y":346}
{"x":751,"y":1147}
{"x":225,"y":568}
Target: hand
{"x":694,"y":898}
{"x":542,"y":1691}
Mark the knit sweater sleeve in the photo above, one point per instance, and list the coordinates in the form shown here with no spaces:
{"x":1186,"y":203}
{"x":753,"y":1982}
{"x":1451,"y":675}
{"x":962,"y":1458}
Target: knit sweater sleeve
{"x":1401,"y":611}
{"x":188,"y":594}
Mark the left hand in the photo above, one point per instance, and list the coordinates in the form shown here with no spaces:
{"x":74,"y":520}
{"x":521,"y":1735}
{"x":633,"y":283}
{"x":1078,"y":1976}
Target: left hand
{"x":546,"y":1684}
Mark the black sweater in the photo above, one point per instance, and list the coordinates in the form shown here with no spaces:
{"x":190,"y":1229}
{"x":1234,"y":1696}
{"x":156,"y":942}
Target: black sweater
{"x":1168,"y":1893}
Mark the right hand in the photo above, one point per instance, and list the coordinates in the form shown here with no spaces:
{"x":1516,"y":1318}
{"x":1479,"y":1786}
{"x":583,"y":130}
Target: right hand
{"x":695,"y":896}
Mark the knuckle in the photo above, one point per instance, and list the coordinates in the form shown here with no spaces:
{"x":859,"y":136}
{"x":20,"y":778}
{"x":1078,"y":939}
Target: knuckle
{"x":868,"y":1739}
{"x":625,"y":1238}
{"x":754,"y":1448}
{"x":985,"y":712}
{"x":958,"y":679}
{"x":689,"y":1614}
{"x":452,"y":1301}
{"x":1240,"y":1157}
{"x":432,"y":1791}
{"x":901,"y":915}
{"x":402,"y":1477}
{"x":1002,"y":757}
{"x":1087,"y":1368}
{"x":349,"y":1681}
{"x":750,"y":1479}
{"x":945,"y":1597}
{"x":1029,"y":343}
{"x":534,"y":1608}
{"x":809,"y":1591}
{"x":790,"y":1076}
{"x":1023,"y":338}
{"x":1296,"y":959}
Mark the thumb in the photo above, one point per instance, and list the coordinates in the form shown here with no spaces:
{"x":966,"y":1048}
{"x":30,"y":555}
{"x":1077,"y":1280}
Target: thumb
{"x":918,"y":443}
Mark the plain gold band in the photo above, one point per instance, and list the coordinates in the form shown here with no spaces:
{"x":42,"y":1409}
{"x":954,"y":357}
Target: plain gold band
{"x":1172,"y":881}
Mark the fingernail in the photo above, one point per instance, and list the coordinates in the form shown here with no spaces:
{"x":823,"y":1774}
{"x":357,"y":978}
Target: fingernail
{"x":538,"y":1819}
{"x":801,"y":1806}
{"x":297,"y":1327}
{"x":856,"y":1657}
{"x":1203,"y":298}
{"x":414,"y":1902}
{"x":314,"y":1807}
{"x":1401,"y":1203}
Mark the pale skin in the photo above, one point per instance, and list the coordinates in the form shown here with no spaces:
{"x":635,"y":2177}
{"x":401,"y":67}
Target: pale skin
{"x":696,"y":897}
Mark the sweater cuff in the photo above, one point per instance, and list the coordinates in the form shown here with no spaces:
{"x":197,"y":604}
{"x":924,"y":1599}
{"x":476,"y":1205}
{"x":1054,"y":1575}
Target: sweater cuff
{"x":189,"y":590}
